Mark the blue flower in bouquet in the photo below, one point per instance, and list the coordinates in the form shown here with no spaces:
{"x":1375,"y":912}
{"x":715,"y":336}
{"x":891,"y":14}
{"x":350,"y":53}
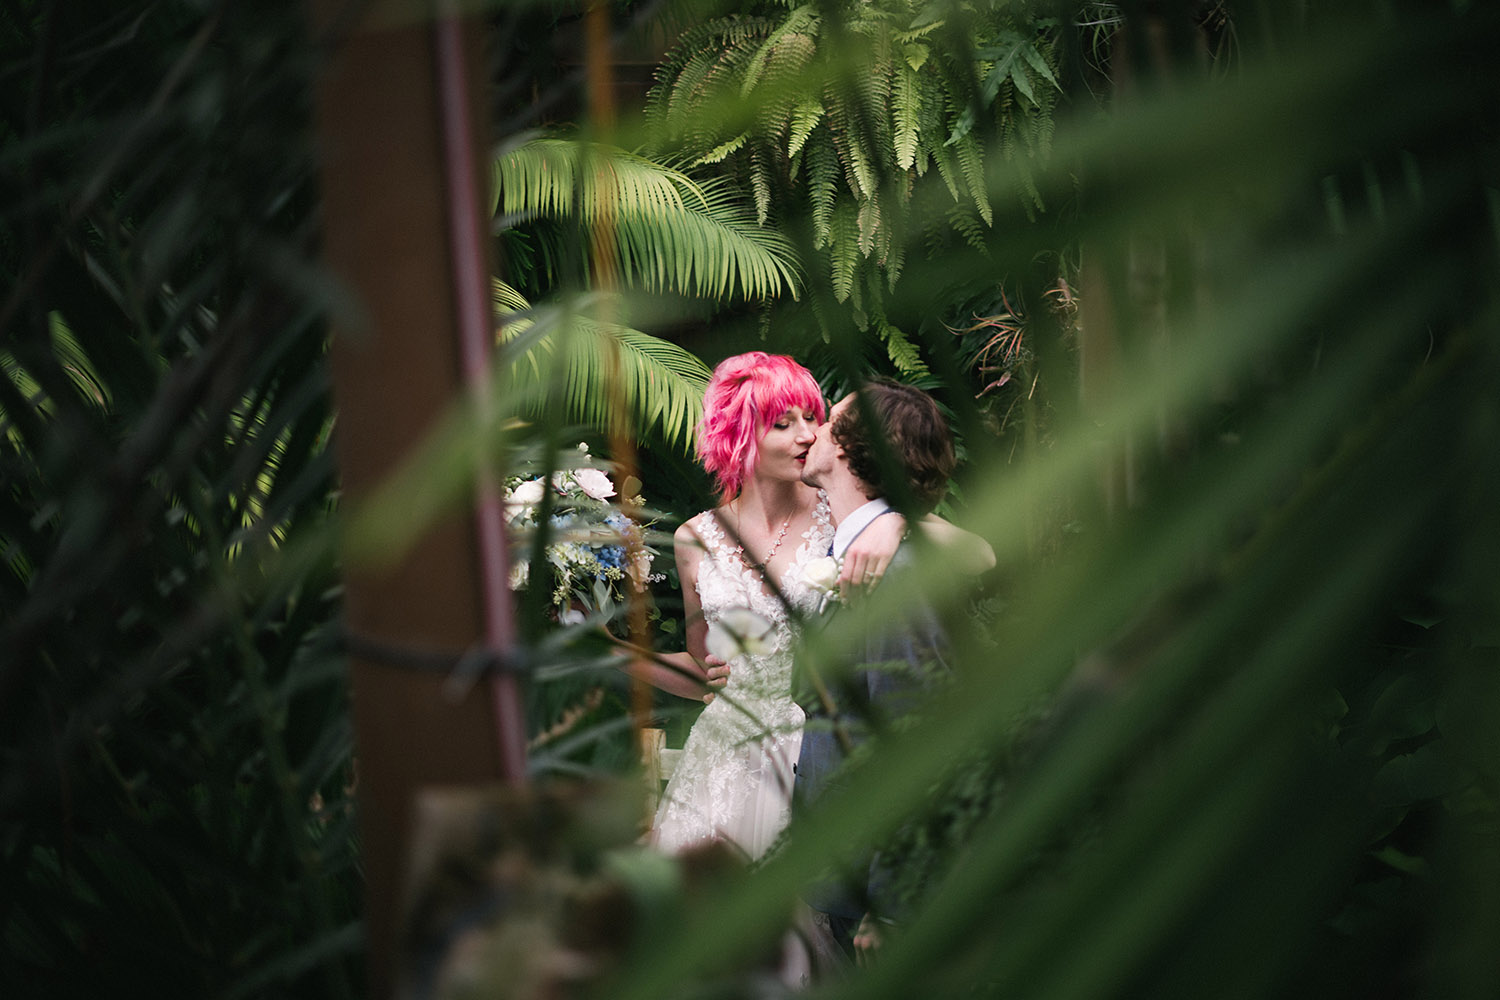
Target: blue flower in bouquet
{"x":594,"y":547}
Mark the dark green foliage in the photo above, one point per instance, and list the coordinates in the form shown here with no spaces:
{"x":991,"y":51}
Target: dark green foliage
{"x":1226,"y":726}
{"x":1229,"y":731}
{"x":175,"y":813}
{"x":833,"y":114}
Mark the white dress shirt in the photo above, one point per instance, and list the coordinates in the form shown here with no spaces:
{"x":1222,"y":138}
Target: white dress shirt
{"x":858,"y":520}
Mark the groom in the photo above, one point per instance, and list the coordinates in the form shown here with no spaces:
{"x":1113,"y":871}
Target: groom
{"x":896,"y":444}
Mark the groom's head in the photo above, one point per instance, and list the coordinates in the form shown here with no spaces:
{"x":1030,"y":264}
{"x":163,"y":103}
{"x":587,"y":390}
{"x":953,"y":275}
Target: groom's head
{"x":908,"y":428}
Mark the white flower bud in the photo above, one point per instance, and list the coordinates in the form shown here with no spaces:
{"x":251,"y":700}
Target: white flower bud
{"x":740,"y":631}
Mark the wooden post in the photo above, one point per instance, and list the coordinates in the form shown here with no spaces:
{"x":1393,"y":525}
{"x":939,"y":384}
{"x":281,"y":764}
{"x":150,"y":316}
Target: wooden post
{"x":393,"y":237}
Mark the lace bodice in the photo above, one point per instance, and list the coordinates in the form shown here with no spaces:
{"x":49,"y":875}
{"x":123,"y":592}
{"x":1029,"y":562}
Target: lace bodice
{"x":726,"y":580}
{"x":733,"y":779}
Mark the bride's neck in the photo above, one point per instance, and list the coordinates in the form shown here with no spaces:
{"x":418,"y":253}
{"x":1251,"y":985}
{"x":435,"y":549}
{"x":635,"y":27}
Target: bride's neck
{"x":772,"y":502}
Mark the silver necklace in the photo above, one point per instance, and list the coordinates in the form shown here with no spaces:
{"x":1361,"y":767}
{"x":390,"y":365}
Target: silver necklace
{"x":740,"y":549}
{"x":777,"y":544}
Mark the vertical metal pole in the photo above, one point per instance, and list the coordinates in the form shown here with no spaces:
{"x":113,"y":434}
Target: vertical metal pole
{"x":476,"y":332}
{"x":401,"y":232}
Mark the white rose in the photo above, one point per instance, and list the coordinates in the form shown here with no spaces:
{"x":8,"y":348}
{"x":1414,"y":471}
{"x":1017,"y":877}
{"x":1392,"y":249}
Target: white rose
{"x":739,"y":631}
{"x":593,"y":482}
{"x":571,"y":616}
{"x":526,"y":493}
{"x":822,"y":574}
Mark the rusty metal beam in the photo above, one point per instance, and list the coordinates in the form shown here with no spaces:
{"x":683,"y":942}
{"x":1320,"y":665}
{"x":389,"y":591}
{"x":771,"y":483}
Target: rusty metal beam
{"x":396,"y":134}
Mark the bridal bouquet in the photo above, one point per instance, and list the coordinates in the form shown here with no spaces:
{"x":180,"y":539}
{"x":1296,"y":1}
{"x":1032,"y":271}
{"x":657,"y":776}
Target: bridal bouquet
{"x":595,"y":548}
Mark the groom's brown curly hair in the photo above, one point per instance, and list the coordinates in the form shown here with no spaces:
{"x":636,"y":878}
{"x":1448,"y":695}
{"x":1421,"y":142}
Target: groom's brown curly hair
{"x":915,"y":432}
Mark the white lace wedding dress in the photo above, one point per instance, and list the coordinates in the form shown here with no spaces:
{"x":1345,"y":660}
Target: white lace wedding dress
{"x":734,"y":779}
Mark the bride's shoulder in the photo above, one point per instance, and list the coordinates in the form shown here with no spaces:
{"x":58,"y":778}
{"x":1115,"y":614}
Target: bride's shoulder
{"x":698,"y":527}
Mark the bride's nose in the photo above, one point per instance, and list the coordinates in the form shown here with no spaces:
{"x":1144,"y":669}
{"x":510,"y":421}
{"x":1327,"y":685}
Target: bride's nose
{"x":807,"y":431}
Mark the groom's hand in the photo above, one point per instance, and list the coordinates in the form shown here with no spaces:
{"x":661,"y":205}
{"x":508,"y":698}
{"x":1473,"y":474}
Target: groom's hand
{"x":870,"y":555}
{"x":716,"y":675}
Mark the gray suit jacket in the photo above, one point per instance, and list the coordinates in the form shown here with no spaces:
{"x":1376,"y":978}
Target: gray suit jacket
{"x":896,"y":661}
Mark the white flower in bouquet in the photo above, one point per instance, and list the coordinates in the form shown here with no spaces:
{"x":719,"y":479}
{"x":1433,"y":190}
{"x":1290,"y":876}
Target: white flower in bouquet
{"x":822,"y":574}
{"x":594,"y":483}
{"x":595,"y":551}
{"x":740,"y":631}
{"x":526,"y":494}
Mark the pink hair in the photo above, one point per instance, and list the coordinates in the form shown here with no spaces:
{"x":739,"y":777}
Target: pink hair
{"x":748,"y":393}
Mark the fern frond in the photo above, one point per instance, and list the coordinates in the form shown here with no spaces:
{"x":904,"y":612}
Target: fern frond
{"x":918,"y":33}
{"x":963,"y":222}
{"x":802,"y":22}
{"x":760,"y":184}
{"x":848,"y":138}
{"x":971,"y":163}
{"x":822,"y":185}
{"x":869,"y":224}
{"x":902,"y":352}
{"x":781,"y":87}
{"x":721,"y":152}
{"x":805,"y":118}
{"x":843,"y":249}
{"x":895,"y":263}
{"x":906,"y":112}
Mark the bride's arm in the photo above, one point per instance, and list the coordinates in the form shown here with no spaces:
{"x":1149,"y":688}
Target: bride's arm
{"x":869,"y":556}
{"x":971,"y":554}
{"x":683,"y":673}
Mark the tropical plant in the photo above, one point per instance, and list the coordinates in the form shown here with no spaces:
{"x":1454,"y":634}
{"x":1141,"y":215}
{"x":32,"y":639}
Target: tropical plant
{"x":650,"y":229}
{"x":176,"y":808}
{"x":619,"y":380}
{"x":833,"y":114}
{"x":669,"y":233}
{"x":1233,"y":733}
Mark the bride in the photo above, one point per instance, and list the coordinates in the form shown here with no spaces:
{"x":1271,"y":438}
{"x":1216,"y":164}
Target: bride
{"x":734,"y":778}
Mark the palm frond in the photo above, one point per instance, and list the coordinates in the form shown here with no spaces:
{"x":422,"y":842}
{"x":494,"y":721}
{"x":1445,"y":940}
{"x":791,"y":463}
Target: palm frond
{"x":609,"y":376}
{"x":672,"y":233}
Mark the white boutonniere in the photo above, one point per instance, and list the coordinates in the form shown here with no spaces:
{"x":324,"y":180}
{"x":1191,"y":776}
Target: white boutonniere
{"x":822,"y":575}
{"x":740,"y":632}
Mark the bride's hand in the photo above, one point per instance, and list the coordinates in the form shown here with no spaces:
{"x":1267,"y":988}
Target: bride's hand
{"x":716,"y":675}
{"x":869,"y":555}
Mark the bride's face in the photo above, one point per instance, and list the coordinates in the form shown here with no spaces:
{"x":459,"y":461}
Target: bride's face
{"x":783,"y":446}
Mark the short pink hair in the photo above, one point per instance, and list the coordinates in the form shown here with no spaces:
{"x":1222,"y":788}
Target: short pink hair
{"x":748,"y":393}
